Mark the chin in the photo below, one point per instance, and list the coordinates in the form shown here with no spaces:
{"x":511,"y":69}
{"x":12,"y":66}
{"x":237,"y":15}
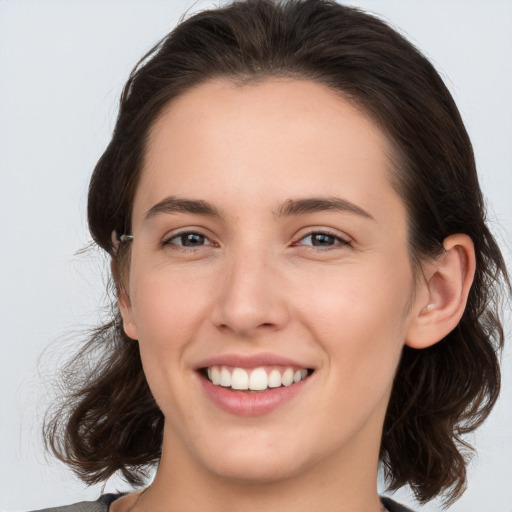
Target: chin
{"x":255,"y":472}
{"x":250,"y":462}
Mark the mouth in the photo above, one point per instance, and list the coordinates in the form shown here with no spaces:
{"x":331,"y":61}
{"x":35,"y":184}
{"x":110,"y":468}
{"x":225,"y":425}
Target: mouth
{"x":254,"y":380}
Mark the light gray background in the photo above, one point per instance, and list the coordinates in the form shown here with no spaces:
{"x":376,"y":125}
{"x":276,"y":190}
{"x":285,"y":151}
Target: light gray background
{"x":62,"y":66}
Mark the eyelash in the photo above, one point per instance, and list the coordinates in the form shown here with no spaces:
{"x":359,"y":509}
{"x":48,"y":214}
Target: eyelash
{"x":181,"y":247}
{"x":337,"y":239}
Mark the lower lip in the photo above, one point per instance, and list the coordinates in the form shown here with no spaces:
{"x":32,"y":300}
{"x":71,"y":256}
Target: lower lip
{"x":251,"y":404}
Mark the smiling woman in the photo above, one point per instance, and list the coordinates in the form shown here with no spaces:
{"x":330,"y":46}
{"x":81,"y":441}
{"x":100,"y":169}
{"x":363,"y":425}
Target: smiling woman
{"x":306,"y":284}
{"x":279,"y":284}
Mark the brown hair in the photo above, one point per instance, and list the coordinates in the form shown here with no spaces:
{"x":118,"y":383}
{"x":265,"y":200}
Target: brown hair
{"x":110,"y":421}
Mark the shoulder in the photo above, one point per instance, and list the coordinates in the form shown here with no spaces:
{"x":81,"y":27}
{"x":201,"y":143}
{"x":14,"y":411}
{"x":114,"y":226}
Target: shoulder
{"x":393,"y":506}
{"x":100,"y":505}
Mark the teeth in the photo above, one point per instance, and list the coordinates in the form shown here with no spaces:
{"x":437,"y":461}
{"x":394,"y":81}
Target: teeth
{"x":274,"y":379}
{"x":225,"y":378}
{"x":215,"y":378}
{"x":287,"y":378}
{"x":255,"y":380}
{"x":259,"y":380}
{"x":239,"y":379}
{"x":299,"y":375}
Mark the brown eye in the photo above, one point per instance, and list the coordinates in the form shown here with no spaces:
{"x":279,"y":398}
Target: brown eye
{"x":323,"y":240}
{"x":188,"y":239}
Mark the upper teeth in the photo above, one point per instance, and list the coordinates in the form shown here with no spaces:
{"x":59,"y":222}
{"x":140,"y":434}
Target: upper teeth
{"x":256,"y":380}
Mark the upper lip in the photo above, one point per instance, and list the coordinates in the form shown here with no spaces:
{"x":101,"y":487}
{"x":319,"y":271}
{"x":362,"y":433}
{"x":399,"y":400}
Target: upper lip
{"x":250,"y":361}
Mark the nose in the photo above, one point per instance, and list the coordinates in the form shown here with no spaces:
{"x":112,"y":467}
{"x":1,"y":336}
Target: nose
{"x":251,"y":298}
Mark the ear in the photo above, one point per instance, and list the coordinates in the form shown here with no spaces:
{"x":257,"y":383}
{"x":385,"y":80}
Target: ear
{"x":125,"y":304}
{"x":443,"y":294}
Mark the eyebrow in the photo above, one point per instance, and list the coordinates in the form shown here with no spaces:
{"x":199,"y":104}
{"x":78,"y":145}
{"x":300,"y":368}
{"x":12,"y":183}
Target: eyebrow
{"x":301,"y":206}
{"x":173,"y":204}
{"x":320,"y":204}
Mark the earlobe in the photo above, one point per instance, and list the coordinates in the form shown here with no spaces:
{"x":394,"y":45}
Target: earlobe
{"x":125,"y":305}
{"x":445,"y":292}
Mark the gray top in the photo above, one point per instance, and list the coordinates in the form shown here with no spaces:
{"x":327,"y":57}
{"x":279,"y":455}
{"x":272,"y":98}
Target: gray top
{"x":100,"y":505}
{"x":103,"y":503}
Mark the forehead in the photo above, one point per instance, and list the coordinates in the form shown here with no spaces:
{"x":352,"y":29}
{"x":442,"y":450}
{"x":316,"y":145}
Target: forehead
{"x":274,"y":137}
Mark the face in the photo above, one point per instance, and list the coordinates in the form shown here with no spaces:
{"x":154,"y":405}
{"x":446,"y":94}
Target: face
{"x":270,"y":285}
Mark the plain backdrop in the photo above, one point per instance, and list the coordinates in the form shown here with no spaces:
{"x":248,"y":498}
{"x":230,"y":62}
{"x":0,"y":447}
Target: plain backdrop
{"x":62,"y":67}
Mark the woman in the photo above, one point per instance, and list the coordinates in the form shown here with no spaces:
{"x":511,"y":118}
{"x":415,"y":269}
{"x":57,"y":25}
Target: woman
{"x":306,"y":284}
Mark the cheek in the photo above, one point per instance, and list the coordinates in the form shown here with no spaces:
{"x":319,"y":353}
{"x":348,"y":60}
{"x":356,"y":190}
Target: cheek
{"x":360,"y":317}
{"x":166,"y":304}
{"x":167,"y":314}
{"x":167,"y":311}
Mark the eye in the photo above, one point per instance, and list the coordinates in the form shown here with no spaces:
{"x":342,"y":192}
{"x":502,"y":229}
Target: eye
{"x":188,"y":239}
{"x":322,"y":239}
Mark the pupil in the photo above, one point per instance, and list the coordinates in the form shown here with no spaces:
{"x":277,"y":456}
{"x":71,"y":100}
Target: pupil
{"x":192,"y":239}
{"x":322,"y":239}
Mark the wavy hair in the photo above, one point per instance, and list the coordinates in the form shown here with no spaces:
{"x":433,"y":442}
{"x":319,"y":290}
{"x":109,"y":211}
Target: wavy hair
{"x":109,"y":420}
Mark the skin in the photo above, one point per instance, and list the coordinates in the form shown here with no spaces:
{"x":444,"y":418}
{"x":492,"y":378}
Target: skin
{"x":258,"y":285}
